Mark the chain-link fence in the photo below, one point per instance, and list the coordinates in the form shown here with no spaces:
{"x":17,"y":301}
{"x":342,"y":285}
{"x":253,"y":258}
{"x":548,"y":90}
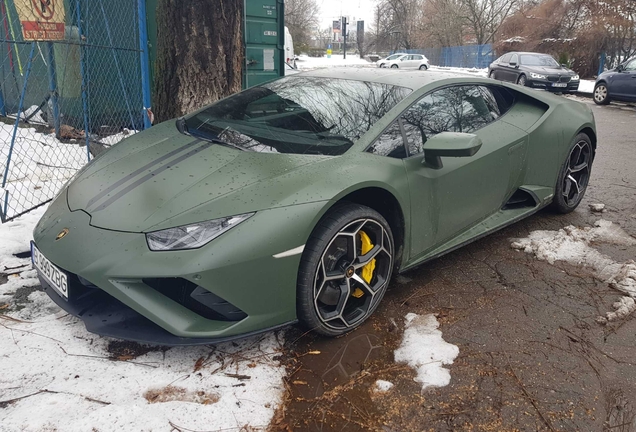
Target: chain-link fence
{"x":71,"y":85}
{"x":469,"y":56}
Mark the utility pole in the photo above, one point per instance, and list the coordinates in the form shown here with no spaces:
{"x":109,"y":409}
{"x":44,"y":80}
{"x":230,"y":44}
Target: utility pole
{"x":344,"y":35}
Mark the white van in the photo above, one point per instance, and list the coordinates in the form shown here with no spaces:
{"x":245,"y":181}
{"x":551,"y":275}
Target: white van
{"x":290,"y":57}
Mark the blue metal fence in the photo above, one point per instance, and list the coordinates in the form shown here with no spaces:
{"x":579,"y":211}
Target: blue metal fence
{"x":468,"y":56}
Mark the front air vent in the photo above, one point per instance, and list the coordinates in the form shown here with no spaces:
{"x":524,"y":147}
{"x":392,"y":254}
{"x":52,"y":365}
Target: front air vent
{"x":195,"y":298}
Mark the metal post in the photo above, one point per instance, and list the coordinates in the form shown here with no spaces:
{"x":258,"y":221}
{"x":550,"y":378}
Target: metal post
{"x":601,"y":65}
{"x":344,"y":37}
{"x":15,"y":126}
{"x":145,"y":62}
{"x":3,"y":111}
{"x":83,"y":74}
{"x":117,"y":66}
{"x":53,"y":89}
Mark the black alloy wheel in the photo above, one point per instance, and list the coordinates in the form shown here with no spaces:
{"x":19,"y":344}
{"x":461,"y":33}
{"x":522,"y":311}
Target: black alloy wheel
{"x":575,"y":175}
{"x":345,"y":269}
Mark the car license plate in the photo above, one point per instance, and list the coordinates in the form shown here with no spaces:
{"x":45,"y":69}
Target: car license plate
{"x":53,"y":275}
{"x":559,"y":84}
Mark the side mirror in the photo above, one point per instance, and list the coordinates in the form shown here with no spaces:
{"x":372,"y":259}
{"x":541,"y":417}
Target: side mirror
{"x":620,"y":68}
{"x":513,"y":64}
{"x":564,"y":66}
{"x":449,"y":144}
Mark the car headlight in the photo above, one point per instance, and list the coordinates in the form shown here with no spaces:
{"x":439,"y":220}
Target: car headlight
{"x":192,"y":236}
{"x":576,"y":78}
{"x":537,"y":76}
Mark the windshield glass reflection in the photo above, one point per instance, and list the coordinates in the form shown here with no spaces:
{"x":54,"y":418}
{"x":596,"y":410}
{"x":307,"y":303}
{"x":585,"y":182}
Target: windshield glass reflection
{"x":302,"y":115}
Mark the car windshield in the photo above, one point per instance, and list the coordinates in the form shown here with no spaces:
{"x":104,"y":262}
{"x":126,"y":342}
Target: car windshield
{"x":538,"y":60}
{"x":394,"y":56}
{"x":300,"y":115}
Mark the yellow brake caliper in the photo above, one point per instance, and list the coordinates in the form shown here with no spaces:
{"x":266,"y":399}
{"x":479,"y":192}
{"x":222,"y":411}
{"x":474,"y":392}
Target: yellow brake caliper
{"x":367,"y":270}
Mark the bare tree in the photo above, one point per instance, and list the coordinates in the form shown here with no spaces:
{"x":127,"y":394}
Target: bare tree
{"x":484,"y":17}
{"x":444,"y":23}
{"x":301,"y":17}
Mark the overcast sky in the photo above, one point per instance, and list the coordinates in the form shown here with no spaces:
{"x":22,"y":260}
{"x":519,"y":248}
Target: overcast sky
{"x":358,"y":9}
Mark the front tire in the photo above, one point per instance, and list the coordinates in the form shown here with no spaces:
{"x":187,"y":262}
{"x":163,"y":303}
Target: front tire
{"x":345,"y":269}
{"x":522,"y":81}
{"x":492,"y":75}
{"x":601,"y":94}
{"x":574,"y":175}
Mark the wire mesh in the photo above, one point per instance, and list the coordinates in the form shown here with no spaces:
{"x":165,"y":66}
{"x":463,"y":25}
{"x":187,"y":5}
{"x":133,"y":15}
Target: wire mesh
{"x":70,"y":87}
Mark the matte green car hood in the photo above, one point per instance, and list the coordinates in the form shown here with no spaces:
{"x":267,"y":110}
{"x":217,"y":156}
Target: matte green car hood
{"x":160,"y":174}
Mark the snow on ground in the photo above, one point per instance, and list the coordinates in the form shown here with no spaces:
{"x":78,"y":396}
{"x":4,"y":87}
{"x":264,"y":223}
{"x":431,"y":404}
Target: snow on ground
{"x":483,"y":73}
{"x":424,"y":349}
{"x":40,"y":164}
{"x":586,"y":86}
{"x":382,"y":386}
{"x":574,"y":245}
{"x":63,"y":378}
{"x":305,"y":63}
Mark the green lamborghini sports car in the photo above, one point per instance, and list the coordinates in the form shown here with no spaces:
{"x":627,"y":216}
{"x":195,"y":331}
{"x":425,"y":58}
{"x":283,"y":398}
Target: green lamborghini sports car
{"x":297,"y":200}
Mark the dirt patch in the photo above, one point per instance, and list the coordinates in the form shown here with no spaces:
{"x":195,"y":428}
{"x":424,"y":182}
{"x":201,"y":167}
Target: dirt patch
{"x":127,"y":350}
{"x":172,"y":394}
{"x":21,"y":298}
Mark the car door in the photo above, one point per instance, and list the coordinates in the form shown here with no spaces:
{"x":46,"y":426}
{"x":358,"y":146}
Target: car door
{"x":623,"y":84}
{"x":466,"y":190}
{"x":406,"y":62}
{"x":500,"y":66}
{"x":417,"y":61}
{"x":512,"y":69}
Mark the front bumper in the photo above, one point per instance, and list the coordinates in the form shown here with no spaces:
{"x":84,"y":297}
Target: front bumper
{"x":572,"y":86}
{"x":237,"y":267}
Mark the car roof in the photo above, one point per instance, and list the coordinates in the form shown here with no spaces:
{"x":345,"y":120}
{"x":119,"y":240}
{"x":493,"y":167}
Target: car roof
{"x":527,"y":52}
{"x":410,"y":79}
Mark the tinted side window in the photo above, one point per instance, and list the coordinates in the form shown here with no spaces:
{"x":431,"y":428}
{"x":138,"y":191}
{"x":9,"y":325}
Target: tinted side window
{"x":503,"y":97}
{"x":390,"y":143}
{"x":514,"y":59}
{"x":631,"y":66}
{"x":452,"y":109}
{"x":505,"y":58}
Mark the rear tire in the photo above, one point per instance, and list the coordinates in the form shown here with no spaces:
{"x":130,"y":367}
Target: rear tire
{"x":423,"y":67}
{"x":345,"y":269}
{"x":601,"y":94}
{"x":574,"y":175}
{"x":394,"y":66}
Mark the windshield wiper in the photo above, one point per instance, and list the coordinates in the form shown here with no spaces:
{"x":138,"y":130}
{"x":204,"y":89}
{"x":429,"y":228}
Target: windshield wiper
{"x":182,"y":127}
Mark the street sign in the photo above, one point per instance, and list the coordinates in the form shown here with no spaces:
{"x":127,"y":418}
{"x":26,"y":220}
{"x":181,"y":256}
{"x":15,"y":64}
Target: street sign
{"x":41,"y":19}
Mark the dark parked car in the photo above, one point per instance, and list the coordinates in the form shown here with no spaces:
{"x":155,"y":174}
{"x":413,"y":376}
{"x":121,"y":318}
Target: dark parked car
{"x":534,"y":70}
{"x":616,"y":84}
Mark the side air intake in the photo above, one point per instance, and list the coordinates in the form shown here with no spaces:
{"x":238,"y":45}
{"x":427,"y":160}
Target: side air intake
{"x":521,"y":199}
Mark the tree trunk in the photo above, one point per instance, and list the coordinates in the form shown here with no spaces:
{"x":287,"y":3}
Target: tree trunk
{"x":199,"y":54}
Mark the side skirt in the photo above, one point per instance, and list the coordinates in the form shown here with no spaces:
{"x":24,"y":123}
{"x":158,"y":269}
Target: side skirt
{"x":500,"y":220}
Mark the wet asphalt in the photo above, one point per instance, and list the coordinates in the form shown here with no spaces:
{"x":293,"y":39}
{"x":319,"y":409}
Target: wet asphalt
{"x":531,"y":356}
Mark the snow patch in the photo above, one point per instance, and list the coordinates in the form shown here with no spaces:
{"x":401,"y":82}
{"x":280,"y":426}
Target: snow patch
{"x":382,"y":386}
{"x":424,"y":349}
{"x":573,"y":245}
{"x":597,"y":207}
